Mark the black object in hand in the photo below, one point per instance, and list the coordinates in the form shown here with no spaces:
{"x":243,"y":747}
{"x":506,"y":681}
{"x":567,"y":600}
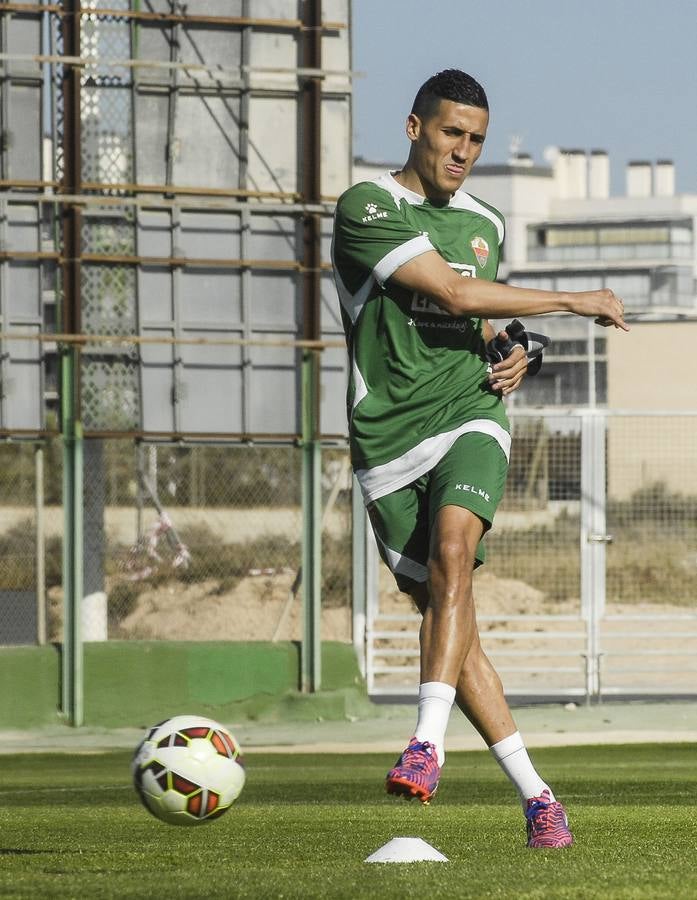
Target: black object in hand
{"x":533,"y":344}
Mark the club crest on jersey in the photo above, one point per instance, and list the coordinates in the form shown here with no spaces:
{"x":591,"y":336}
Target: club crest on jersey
{"x":481,"y":250}
{"x":373,"y":213}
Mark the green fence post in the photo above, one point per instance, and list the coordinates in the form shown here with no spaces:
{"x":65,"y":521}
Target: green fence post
{"x":40,"y":532}
{"x":311,"y":647}
{"x":72,"y":689}
{"x":358,"y":564}
{"x":70,"y":323}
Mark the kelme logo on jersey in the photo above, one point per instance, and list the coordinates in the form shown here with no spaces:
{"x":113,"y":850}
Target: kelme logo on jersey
{"x":373,"y":213}
{"x":481,"y":250}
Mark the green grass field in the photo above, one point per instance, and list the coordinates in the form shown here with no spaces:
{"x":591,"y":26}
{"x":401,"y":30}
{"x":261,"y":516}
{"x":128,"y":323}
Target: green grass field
{"x":71,"y":826}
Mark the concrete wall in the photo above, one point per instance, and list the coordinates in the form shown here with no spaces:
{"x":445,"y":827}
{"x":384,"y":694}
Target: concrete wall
{"x":652,"y":368}
{"x":138,"y":683}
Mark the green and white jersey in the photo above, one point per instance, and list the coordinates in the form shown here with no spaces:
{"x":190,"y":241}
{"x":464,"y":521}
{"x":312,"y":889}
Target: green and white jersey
{"x":418,"y":375}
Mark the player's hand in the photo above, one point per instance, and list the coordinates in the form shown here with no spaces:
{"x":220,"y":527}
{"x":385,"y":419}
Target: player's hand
{"x":506,"y":376}
{"x":603,"y":306}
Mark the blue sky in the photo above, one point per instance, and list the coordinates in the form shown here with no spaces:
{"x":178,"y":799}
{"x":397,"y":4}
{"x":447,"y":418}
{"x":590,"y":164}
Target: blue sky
{"x":617,"y":75}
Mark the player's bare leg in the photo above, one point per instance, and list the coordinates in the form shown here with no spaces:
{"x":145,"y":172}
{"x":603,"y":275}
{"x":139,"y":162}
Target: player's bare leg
{"x":478,"y":690}
{"x":447,"y":632}
{"x":479,"y":694}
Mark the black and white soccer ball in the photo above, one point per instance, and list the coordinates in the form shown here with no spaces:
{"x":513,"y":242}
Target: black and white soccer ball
{"x":188,"y":770}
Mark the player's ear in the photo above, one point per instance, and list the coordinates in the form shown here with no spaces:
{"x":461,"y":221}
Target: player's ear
{"x":413,"y":127}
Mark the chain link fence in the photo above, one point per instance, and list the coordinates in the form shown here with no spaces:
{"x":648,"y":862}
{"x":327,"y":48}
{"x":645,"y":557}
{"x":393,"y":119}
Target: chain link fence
{"x":203,"y":542}
{"x":30,"y":549}
{"x":181,"y":542}
{"x":648,"y":634}
{"x":566,"y":607}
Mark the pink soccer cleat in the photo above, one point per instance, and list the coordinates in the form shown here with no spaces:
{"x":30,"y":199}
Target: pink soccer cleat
{"x":416,"y":772}
{"x":547,"y":824}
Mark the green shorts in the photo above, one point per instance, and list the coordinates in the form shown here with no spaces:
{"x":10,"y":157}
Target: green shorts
{"x":472,"y":474}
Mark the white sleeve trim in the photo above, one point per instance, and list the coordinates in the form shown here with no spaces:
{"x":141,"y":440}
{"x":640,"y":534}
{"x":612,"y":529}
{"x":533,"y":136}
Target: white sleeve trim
{"x":400,"y":255}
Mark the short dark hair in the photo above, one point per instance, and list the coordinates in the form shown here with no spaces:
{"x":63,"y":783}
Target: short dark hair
{"x":450,"y":84}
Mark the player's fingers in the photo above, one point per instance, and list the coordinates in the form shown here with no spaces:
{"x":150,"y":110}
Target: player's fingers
{"x":509,"y":380}
{"x":512,"y":385}
{"x":618,"y":316}
{"x":606,"y":321}
{"x":498,"y":384}
{"x":515,"y":361}
{"x":498,"y":379}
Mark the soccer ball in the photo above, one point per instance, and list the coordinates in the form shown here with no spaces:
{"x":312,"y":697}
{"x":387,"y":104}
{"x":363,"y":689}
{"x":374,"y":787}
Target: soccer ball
{"x":188,"y":770}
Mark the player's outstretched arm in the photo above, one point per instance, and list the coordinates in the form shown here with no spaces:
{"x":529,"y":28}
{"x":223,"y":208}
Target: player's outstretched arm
{"x":429,"y":275}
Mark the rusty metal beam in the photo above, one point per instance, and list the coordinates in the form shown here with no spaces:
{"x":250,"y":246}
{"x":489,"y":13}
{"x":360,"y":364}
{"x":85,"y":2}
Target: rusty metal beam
{"x":189,"y":437}
{"x":175,"y":262}
{"x":187,"y":190}
{"x":31,"y":8}
{"x":162,"y":261}
{"x":200,"y":437}
{"x":311,"y":152}
{"x":27,"y":434}
{"x":82,"y":339}
{"x":72,"y":175}
{"x":189,"y":202}
{"x":27,"y":183}
{"x":170,"y":18}
{"x":31,"y":254}
{"x":133,"y":188}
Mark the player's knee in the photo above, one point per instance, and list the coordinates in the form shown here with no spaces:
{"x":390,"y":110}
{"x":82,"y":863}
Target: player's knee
{"x":452,"y":556}
{"x":450,"y":569}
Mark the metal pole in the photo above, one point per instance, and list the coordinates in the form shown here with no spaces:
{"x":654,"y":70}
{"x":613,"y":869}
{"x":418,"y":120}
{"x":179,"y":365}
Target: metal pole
{"x":372,"y":575}
{"x":71,"y":426}
{"x":590,"y":346}
{"x":586,"y":547}
{"x":40,"y":545}
{"x":600,"y":538}
{"x":593,"y":538}
{"x":311,"y":99}
{"x":73,"y":532}
{"x":311,"y":648}
{"x":358,"y":580}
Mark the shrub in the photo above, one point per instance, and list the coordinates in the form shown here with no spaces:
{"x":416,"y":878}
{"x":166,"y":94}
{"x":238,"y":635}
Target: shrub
{"x":18,"y":558}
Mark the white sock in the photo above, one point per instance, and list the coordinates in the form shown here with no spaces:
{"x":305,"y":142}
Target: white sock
{"x":435,"y":702}
{"x":511,"y":755}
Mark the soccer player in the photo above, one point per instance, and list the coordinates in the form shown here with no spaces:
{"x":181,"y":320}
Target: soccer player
{"x":415,"y":258}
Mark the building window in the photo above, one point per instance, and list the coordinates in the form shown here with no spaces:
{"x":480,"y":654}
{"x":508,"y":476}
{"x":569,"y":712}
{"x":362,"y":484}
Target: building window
{"x":641,"y":289}
{"x":629,"y":240}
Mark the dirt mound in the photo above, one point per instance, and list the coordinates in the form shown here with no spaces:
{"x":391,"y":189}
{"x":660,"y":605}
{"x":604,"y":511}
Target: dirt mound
{"x":493,"y":596}
{"x":251,"y":611}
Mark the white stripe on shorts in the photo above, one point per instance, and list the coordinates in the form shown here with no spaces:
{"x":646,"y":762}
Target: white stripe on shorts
{"x":402,"y":565}
{"x":396,"y":474}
